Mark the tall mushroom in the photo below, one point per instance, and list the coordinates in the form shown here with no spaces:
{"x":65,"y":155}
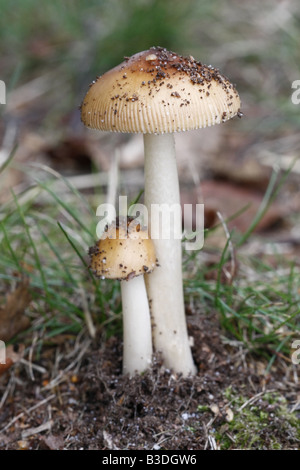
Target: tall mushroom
{"x":158,"y":92}
{"x":125,"y":252}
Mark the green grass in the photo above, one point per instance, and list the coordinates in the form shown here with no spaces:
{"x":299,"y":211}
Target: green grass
{"x":47,"y":243}
{"x":259,"y":307}
{"x":76,"y":41}
{"x":45,"y":236}
{"x":79,"y":40}
{"x":262,"y":315}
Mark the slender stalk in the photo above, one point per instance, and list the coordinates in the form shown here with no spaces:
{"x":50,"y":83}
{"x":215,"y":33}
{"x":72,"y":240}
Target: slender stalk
{"x":137,"y":352}
{"x":164,"y":284}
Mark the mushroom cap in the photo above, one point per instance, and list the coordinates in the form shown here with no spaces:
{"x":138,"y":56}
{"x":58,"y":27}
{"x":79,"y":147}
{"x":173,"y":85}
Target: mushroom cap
{"x":123,"y":252}
{"x":158,"y":91}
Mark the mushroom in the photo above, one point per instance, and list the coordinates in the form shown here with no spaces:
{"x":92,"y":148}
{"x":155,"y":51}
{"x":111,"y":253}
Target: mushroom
{"x":157,"y":93}
{"x":125,"y":252}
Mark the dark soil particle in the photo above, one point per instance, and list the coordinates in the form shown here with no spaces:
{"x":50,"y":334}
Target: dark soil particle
{"x":92,"y":406}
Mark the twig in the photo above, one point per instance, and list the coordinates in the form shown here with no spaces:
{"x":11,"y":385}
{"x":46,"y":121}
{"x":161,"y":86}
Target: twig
{"x":213,"y":444}
{"x":32,"y":90}
{"x":20,"y":415}
{"x":43,"y":427}
{"x":30,"y":355}
{"x":6,"y":392}
{"x":40,"y":369}
{"x":62,"y":374}
{"x":8,"y":144}
{"x":254,"y":399}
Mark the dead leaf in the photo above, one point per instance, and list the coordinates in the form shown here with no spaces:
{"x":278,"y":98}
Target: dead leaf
{"x":70,"y":155}
{"x":23,"y":445}
{"x":6,"y":366}
{"x":12,"y":355}
{"x":12,"y":317}
{"x":54,"y":442}
{"x":109,"y":441}
{"x":215,"y":409}
{"x":229,"y":199}
{"x":248,"y":171}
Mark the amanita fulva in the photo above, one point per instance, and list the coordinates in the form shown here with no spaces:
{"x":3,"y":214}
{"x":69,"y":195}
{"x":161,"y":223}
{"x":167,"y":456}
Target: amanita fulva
{"x":157,"y":93}
{"x":125,"y":252}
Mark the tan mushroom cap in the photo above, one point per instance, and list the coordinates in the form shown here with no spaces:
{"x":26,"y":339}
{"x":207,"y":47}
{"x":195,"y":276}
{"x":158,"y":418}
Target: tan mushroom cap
{"x":158,"y":91}
{"x":123,"y":252}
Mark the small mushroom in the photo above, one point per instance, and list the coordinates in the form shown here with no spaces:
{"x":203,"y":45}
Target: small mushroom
{"x":157,"y":93}
{"x":125,"y":252}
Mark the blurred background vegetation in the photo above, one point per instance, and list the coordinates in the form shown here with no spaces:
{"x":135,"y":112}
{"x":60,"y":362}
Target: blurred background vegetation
{"x":257,"y":44}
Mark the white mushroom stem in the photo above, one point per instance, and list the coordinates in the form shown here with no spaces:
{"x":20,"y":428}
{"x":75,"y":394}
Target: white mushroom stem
{"x":164,"y":284}
{"x":137,"y":337}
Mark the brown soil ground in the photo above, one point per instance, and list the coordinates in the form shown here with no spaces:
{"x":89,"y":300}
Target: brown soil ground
{"x":74,"y":397}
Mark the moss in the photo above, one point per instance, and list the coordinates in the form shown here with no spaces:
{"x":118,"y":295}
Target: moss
{"x":267,"y":423}
{"x":202,"y":408}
